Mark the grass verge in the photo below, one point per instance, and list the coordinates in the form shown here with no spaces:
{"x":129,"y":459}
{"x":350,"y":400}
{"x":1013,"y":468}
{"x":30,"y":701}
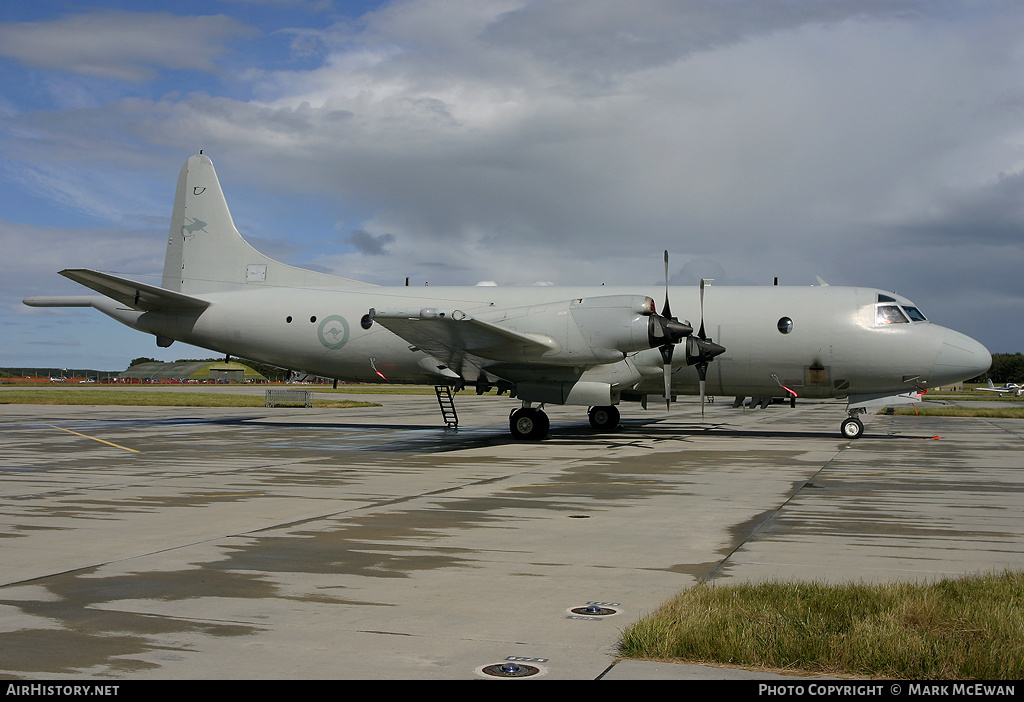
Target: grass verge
{"x":1016,"y":412}
{"x":142,"y":398}
{"x":970,"y":628}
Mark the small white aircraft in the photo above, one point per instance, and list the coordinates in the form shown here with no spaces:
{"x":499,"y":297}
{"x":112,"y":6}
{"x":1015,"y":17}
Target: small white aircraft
{"x":1012,"y":388}
{"x":592,"y":347}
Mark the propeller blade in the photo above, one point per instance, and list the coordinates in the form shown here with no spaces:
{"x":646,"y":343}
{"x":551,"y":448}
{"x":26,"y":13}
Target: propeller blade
{"x":668,"y":386}
{"x":701,"y":332}
{"x":666,"y":311}
{"x":666,"y":350}
{"x":666,"y":357}
{"x":702,"y":375}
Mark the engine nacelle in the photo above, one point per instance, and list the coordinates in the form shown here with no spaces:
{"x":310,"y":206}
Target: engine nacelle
{"x":620,"y":323}
{"x":589,"y":330}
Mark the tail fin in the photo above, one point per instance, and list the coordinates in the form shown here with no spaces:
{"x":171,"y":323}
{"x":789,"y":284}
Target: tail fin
{"x":205,"y":252}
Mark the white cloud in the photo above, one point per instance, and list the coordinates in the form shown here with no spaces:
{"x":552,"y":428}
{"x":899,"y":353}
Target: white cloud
{"x":869,"y":142}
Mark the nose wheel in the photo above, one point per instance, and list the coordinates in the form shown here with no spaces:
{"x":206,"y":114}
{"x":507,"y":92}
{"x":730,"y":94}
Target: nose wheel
{"x":851,"y":428}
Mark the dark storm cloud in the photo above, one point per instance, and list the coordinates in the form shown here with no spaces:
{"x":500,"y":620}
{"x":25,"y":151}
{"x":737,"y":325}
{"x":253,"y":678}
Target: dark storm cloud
{"x":372,"y":245}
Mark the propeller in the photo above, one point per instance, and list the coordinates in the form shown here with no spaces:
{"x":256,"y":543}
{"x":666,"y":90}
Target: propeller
{"x":674,"y":332}
{"x":700,"y":350}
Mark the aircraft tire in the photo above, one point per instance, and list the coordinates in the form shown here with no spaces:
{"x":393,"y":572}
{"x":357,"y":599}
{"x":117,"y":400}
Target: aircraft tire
{"x":851,"y":428}
{"x":529,"y":423}
{"x":602,"y":418}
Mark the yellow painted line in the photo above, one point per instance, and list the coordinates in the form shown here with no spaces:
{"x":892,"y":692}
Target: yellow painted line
{"x":86,"y":436}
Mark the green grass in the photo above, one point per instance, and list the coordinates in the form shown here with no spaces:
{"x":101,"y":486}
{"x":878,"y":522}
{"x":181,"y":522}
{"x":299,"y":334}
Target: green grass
{"x":970,"y":628}
{"x":970,"y":395}
{"x":144,"y":398}
{"x":1016,"y":412}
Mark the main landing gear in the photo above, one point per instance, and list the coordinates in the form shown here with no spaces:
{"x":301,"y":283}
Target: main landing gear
{"x":532,"y":423}
{"x":602,"y":418}
{"x":529,"y":423}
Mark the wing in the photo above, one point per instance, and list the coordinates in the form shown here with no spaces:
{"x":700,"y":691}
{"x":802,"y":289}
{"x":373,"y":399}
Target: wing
{"x":549,"y":342}
{"x":458,"y":340}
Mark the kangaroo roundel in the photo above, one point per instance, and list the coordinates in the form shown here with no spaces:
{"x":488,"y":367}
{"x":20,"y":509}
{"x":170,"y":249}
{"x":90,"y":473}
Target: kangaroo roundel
{"x":333,"y":332}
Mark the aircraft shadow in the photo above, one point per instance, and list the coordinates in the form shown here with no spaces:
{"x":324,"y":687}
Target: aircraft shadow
{"x":428,"y":438}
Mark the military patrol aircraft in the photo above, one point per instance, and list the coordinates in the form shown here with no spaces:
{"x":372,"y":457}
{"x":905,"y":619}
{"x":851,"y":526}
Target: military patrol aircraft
{"x":590,"y":347}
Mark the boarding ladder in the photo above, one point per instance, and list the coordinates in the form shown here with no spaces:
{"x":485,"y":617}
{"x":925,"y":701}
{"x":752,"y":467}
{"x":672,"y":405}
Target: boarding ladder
{"x":446,"y":401}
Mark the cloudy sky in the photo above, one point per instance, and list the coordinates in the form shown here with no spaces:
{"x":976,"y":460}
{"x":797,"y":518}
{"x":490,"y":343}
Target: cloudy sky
{"x":869,"y":142}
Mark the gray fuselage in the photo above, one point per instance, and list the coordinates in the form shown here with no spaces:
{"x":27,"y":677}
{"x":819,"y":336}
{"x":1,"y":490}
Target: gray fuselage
{"x":833,"y":346}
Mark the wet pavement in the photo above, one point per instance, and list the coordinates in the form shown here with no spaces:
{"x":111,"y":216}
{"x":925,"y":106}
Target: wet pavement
{"x":195,"y":543}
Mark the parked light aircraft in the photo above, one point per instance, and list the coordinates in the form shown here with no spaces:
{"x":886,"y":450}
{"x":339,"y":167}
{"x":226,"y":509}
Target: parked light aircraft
{"x":591,"y":347}
{"x":1012,"y":388}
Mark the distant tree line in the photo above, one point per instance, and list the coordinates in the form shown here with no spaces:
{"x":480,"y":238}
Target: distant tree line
{"x":51,"y":372}
{"x":1006,"y":368}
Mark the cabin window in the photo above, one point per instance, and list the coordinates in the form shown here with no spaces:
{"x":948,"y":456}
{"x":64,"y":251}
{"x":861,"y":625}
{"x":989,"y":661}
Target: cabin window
{"x":785,"y":325}
{"x":889,"y":314}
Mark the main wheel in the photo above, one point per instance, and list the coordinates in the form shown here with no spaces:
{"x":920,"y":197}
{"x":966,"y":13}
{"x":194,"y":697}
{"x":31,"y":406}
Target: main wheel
{"x":851,"y":428}
{"x":529,"y":423}
{"x":603,"y":417}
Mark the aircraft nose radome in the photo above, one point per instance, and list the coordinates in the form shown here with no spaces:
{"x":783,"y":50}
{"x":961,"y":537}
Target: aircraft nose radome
{"x":960,"y":358}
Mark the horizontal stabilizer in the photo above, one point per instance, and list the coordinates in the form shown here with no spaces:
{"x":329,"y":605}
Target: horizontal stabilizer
{"x":138,"y":296}
{"x":60,"y":301}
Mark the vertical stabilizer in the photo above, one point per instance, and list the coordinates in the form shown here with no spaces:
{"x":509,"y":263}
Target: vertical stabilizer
{"x":205,"y":252}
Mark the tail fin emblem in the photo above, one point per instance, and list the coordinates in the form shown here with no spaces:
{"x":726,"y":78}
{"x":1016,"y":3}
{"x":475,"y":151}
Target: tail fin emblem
{"x":195,"y":225}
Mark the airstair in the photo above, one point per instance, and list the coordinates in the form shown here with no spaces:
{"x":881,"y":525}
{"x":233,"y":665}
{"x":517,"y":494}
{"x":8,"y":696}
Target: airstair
{"x":446,"y":401}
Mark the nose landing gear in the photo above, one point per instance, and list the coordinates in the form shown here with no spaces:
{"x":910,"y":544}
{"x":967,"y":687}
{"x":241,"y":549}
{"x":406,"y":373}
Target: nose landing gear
{"x":851,"y":428}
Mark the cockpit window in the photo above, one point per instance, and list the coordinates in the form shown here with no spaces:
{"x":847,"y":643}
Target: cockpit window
{"x":888,"y":310}
{"x":889,"y":314}
{"x":914,"y":314}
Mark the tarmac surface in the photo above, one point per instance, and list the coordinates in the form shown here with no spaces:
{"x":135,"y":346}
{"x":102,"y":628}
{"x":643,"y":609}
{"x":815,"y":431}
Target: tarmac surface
{"x":290,"y":543}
